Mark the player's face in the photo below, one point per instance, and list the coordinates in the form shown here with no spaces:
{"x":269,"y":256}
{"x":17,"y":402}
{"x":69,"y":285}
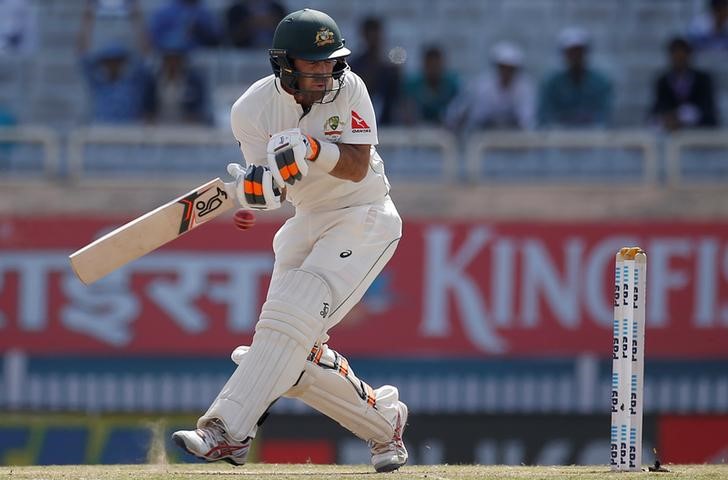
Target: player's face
{"x":322,"y":69}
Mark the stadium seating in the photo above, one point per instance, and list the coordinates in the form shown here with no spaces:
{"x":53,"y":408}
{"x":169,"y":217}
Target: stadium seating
{"x":628,"y":44}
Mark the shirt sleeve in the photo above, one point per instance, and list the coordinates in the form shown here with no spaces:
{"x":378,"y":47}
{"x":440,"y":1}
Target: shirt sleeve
{"x":361,"y":129}
{"x":247,"y":130}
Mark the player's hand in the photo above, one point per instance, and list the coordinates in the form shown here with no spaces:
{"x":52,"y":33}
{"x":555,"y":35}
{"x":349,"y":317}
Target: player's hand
{"x":288,"y":154}
{"x":254,"y":187}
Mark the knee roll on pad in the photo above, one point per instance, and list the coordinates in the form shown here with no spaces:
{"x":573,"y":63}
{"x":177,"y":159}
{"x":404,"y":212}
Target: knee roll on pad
{"x":297,"y":306}
{"x":291,"y":321}
{"x":330,"y":386}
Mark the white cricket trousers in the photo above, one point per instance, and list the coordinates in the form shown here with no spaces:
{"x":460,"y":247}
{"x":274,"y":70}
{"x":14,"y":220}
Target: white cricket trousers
{"x":324,"y":263}
{"x":347,"y":248}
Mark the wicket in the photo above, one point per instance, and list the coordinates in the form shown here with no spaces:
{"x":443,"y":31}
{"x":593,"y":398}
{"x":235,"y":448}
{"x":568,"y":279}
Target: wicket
{"x":630,"y":276}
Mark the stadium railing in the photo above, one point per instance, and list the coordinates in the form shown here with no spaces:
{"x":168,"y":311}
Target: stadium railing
{"x":419,"y":154}
{"x":163,"y":155}
{"x":111,"y":155}
{"x":564,"y":158}
{"x":144,"y":155}
{"x":697,"y":159}
{"x":20,"y":160}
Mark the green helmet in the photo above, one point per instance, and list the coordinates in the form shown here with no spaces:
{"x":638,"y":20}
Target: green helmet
{"x":308,"y":35}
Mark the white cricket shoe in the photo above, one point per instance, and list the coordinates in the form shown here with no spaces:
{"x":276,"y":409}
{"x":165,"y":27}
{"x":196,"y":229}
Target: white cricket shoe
{"x":211,"y":443}
{"x":387,"y":457}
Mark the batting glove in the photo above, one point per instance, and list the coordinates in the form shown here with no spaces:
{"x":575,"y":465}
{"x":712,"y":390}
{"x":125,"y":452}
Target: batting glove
{"x":254,"y":187}
{"x":288,"y":154}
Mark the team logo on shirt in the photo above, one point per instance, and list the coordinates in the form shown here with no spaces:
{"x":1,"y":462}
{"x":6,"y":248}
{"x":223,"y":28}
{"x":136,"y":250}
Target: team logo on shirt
{"x":332,"y":128}
{"x":332,"y":123}
{"x":358,"y":124}
{"x":324,"y":36}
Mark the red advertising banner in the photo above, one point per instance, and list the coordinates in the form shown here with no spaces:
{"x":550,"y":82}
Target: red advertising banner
{"x":465,"y":289}
{"x":707,"y":434}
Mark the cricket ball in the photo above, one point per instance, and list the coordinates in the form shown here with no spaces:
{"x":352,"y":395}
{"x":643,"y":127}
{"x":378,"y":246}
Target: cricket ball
{"x":244,"y":219}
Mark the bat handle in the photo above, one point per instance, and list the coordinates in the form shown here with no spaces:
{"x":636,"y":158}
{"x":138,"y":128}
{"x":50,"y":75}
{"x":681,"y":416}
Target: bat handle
{"x":235,"y":170}
{"x":230,"y":189}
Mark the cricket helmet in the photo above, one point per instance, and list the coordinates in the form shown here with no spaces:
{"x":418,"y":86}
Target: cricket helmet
{"x":308,"y":35}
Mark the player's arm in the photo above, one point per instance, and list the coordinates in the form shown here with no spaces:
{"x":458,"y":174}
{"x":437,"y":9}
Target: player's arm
{"x":349,"y":159}
{"x":247,"y":123}
{"x":290,"y":152}
{"x":352,"y":163}
{"x":254,"y":187}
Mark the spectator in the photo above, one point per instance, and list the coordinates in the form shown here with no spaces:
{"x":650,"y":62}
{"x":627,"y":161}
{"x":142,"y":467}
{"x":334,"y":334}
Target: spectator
{"x":710,"y":31}
{"x":119,"y":83}
{"x":252,"y":23}
{"x":683,"y":95}
{"x":577,"y":96}
{"x":180,"y":94}
{"x":430,"y":92}
{"x":501,"y":98}
{"x":381,"y":77}
{"x":187,"y":22}
{"x":18,"y":32}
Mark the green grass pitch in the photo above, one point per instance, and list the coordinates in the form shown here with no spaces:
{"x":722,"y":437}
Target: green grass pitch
{"x":347,"y":472}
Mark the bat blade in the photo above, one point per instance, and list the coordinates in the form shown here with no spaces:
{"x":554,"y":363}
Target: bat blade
{"x":152,"y":230}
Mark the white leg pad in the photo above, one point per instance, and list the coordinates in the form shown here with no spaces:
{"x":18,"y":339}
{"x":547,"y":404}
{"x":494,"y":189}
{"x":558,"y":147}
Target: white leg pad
{"x":290,"y":323}
{"x":329,"y":385}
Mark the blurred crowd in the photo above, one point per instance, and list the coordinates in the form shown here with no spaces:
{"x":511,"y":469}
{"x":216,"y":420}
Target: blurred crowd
{"x":574,"y":95}
{"x":154,"y":82}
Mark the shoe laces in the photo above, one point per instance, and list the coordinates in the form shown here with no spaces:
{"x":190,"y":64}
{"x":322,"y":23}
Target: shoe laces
{"x":212,"y":433}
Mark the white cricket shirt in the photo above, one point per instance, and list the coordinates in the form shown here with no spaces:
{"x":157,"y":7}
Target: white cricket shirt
{"x":265,"y":109}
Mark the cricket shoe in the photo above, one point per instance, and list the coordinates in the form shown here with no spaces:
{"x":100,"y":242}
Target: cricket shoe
{"x":211,"y":443}
{"x":387,"y":457}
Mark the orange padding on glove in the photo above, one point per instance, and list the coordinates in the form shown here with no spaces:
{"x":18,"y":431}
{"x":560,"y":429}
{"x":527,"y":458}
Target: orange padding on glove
{"x":315,"y":148}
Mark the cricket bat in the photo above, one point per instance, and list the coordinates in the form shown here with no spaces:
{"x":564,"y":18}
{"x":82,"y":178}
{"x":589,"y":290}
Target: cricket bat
{"x":152,"y":230}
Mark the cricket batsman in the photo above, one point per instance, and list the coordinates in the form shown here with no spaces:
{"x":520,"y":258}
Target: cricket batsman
{"x":307,"y":133}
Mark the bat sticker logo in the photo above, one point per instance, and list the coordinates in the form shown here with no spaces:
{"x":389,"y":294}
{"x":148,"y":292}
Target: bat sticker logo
{"x":203,"y":207}
{"x":212,"y":204}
